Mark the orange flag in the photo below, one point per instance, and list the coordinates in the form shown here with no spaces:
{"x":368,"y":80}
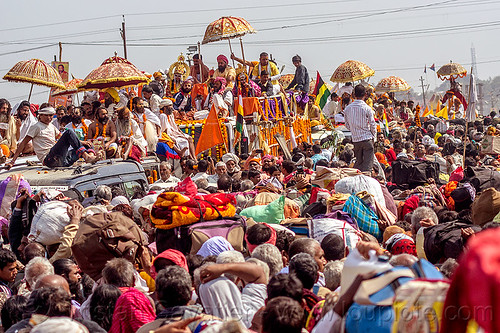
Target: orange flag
{"x":427,"y":111}
{"x":211,"y":134}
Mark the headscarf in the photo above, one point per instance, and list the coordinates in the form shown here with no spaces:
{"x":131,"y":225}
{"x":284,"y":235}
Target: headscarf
{"x":381,"y":159}
{"x":475,"y":286}
{"x":401,"y":243}
{"x":221,"y":298}
{"x":410,"y":204}
{"x":61,"y":324}
{"x":427,"y":140}
{"x":173,"y":255}
{"x":133,"y":309}
{"x":222,"y":57}
{"x":215,"y":246}
{"x":119,"y":200}
{"x":113,"y":93}
{"x":157,"y":74}
{"x":391,"y":231}
{"x":223,"y":83}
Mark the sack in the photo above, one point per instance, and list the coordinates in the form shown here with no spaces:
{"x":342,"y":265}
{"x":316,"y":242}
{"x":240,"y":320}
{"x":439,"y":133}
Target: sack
{"x":271,"y":213}
{"x":485,"y":207}
{"x":482,"y":178}
{"x":48,"y":223}
{"x":314,"y":209}
{"x":411,"y":174}
{"x":319,"y":228}
{"x":369,"y":318}
{"x":360,"y":183}
{"x":418,"y":306}
{"x":233,"y":230}
{"x":177,"y":238}
{"x":102,"y":237}
{"x":490,"y":144}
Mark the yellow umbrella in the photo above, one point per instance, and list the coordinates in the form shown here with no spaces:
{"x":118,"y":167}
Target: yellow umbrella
{"x":450,"y":71}
{"x":35,"y":71}
{"x":351,"y":71}
{"x":392,"y":84}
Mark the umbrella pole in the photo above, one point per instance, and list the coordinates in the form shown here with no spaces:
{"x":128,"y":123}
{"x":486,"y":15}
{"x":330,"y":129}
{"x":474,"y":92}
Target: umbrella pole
{"x":243,"y":54}
{"x":231,"y":50}
{"x":31,"y":90}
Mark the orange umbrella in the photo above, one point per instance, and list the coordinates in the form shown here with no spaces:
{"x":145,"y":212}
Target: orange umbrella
{"x":114,"y":72}
{"x":451,"y":71}
{"x":35,"y":71}
{"x":392,"y":84}
{"x":351,"y":71}
{"x":228,"y":27}
{"x":71,"y":88}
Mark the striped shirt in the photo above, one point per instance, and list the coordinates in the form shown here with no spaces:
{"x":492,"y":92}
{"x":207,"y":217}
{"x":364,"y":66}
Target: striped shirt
{"x":360,"y":121}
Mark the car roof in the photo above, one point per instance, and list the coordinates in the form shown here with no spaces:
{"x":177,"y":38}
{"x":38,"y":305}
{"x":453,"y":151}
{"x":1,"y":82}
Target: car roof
{"x":39,"y":175}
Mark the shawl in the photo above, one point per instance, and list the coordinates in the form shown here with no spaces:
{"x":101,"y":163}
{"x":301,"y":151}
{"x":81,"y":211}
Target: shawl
{"x":133,"y":309}
{"x":173,"y":255}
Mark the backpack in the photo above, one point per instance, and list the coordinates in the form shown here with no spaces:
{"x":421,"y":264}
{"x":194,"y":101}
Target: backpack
{"x":102,"y":237}
{"x":411,"y":174}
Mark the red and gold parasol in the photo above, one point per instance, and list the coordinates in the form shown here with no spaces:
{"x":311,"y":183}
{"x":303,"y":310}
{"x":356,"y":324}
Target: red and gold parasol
{"x":71,"y":88}
{"x":392,"y":84}
{"x":450,"y":71}
{"x":35,"y":71}
{"x":351,"y":71}
{"x":227,"y":27}
{"x":114,"y":72}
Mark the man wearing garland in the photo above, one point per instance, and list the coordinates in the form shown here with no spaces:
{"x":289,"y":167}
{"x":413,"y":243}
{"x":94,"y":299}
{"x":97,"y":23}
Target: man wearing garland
{"x":102,"y":133}
{"x":79,"y":125}
{"x":225,"y":71}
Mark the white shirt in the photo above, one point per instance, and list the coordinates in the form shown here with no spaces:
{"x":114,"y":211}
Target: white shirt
{"x":359,"y":119}
{"x":43,"y":138}
{"x":171,"y":179}
{"x":26,"y":125}
{"x":154,"y":104}
{"x":330,"y":109}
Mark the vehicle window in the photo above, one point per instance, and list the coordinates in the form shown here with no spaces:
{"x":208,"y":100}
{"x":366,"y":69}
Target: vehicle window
{"x":131,"y":186}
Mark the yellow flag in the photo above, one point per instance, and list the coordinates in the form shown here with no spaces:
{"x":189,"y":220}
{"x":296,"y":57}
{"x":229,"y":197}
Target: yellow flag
{"x":427,"y":111}
{"x":443,"y":113}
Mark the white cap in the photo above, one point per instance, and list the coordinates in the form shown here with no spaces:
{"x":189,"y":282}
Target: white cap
{"x":49,"y":110}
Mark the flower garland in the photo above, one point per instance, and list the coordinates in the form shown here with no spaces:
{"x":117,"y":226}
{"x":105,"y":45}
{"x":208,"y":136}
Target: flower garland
{"x":84,"y":126}
{"x":103,"y":131}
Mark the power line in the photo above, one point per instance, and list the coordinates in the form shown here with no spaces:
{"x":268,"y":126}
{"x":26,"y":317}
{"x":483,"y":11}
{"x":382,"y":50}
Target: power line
{"x":30,"y":49}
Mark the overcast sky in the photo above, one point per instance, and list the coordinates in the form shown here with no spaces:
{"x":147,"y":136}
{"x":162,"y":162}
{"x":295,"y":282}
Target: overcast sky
{"x":393,"y":37}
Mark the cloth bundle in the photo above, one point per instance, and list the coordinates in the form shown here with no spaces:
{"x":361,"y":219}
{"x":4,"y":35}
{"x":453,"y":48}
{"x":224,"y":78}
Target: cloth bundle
{"x":173,"y":209}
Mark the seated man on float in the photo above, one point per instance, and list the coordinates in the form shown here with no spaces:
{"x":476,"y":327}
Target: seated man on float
{"x":78,"y":125}
{"x":183,"y":103}
{"x":195,"y":69}
{"x":132,"y":142}
{"x":263,"y":65}
{"x":52,"y":148}
{"x":265,"y":85}
{"x":102,"y":133}
{"x":170,"y":131}
{"x":221,"y":98}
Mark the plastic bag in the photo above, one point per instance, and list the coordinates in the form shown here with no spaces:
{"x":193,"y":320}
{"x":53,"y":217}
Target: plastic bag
{"x":360,"y":183}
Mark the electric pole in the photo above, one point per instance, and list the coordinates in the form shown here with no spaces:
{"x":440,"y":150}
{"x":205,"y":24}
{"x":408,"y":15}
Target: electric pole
{"x":122,"y":32}
{"x":423,"y":90}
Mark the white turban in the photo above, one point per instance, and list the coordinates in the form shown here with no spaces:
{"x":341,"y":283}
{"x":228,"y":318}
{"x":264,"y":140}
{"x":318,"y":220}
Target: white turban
{"x":230,"y":157}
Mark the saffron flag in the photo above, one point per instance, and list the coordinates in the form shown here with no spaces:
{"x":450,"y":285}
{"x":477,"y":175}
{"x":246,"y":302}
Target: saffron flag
{"x":239,"y":119}
{"x":321,"y":91}
{"x":443,"y":113}
{"x":427,"y":112}
{"x":211,"y":134}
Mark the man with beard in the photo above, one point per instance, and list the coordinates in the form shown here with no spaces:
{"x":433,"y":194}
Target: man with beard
{"x":60,"y":112}
{"x":225,"y":71}
{"x":168,"y":126}
{"x":52,"y":148}
{"x":24,"y":121}
{"x":87,"y":111}
{"x":102,"y":133}
{"x":8,"y":127}
{"x":112,"y":101}
{"x":71,"y":273}
{"x":182,"y":102}
{"x":79,"y":125}
{"x":148,"y":122}
{"x":130,"y":135}
{"x":221,"y":98}
{"x":152,"y":98}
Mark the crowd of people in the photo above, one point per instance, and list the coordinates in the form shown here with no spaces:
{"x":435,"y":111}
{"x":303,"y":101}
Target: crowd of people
{"x":345,"y":234}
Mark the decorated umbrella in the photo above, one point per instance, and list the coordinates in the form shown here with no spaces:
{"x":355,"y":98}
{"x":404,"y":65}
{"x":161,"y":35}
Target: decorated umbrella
{"x":71,"y":88}
{"x":392,"y":84}
{"x":35,"y":71}
{"x":451,"y":71}
{"x":114,"y":72}
{"x":228,"y":27}
{"x":351,"y":71}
